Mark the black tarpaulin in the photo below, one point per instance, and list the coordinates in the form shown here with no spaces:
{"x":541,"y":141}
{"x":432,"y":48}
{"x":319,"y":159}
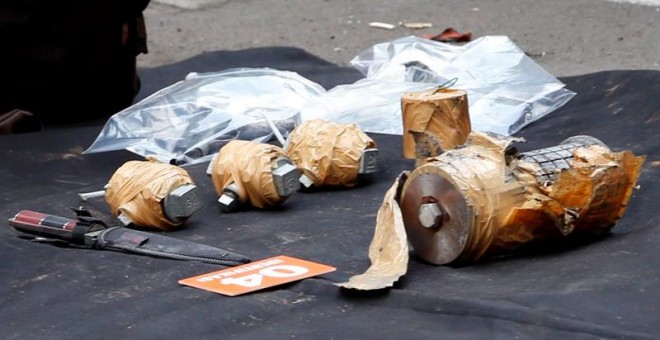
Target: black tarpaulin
{"x":606,"y":288}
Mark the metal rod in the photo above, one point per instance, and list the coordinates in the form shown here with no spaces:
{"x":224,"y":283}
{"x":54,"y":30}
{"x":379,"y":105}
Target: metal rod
{"x":84,"y":196}
{"x":276,"y":131}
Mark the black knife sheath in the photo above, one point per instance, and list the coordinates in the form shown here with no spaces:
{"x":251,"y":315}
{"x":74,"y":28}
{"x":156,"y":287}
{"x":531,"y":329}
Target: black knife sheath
{"x":137,"y":242}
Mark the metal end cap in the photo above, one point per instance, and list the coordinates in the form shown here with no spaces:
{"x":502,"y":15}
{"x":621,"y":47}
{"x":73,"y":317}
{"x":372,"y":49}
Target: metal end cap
{"x":584,"y":140}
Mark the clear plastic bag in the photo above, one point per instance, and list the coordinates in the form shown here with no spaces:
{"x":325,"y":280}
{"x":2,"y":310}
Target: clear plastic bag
{"x":188,"y":122}
{"x":506,"y":89}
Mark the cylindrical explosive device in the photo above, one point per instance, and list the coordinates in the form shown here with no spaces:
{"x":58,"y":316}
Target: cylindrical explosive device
{"x":331,"y":154}
{"x":252,"y":172}
{"x":434,"y":121}
{"x":482,"y":200}
{"x":152,"y":195}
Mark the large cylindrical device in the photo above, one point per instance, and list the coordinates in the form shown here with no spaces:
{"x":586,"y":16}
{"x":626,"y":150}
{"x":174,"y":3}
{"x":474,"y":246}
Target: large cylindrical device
{"x":482,"y":199}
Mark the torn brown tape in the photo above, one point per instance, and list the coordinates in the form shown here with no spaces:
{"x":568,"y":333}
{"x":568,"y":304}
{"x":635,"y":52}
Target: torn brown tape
{"x":434,"y":121}
{"x":388,"y":251}
{"x":589,"y":197}
{"x":328,"y":153}
{"x":137,"y":188}
{"x":249,"y":166}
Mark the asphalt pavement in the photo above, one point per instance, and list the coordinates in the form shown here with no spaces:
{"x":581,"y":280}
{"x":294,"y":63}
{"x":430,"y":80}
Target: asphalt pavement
{"x":566,"y":37}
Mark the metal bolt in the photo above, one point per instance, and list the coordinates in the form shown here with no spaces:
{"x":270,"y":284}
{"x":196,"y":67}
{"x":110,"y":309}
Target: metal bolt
{"x":306,"y":184}
{"x":229,"y":199}
{"x":286,"y":177}
{"x":430,"y":215}
{"x":209,"y":169}
{"x":84,"y":196}
{"x":181,"y":203}
{"x":368,"y":162}
{"x":124,"y":220}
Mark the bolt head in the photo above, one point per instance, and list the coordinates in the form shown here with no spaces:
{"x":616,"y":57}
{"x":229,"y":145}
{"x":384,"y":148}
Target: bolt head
{"x":228,"y":201}
{"x":368,"y":162}
{"x":306,"y":184}
{"x":124,"y":220}
{"x":430,"y":215}
{"x":181,"y":203}
{"x":286,"y":178}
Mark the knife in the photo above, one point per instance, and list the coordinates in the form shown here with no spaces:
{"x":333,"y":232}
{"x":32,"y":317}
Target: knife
{"x":93,"y":233}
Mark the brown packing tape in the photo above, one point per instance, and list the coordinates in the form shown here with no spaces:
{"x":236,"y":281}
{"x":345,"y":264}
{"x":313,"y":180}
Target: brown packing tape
{"x":328,"y":153}
{"x":613,"y":179}
{"x":588,"y":198}
{"x":248,"y":165}
{"x":137,"y":188}
{"x":435,"y":120}
{"x":388,"y":251}
{"x":538,"y":218}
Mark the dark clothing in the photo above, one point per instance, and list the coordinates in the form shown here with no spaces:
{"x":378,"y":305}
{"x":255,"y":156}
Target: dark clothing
{"x":69,"y":61}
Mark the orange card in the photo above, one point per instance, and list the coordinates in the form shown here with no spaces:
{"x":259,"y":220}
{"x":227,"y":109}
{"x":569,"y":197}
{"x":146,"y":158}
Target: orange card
{"x":257,"y":275}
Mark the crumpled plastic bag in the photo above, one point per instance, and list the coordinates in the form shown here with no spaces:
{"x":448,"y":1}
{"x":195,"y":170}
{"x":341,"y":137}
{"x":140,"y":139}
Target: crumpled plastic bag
{"x":188,"y":122}
{"x":506,"y":89}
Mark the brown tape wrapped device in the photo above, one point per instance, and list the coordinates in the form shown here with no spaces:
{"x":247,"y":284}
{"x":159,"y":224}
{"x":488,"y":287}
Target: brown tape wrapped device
{"x":482,"y":200}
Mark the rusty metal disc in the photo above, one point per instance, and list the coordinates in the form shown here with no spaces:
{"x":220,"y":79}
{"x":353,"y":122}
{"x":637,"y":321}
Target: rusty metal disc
{"x":444,"y":242}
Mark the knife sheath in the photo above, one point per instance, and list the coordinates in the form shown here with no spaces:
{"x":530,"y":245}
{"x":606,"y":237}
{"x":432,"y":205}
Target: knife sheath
{"x":137,"y":242}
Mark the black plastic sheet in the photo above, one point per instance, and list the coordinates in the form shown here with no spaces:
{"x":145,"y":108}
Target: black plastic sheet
{"x":606,"y":288}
